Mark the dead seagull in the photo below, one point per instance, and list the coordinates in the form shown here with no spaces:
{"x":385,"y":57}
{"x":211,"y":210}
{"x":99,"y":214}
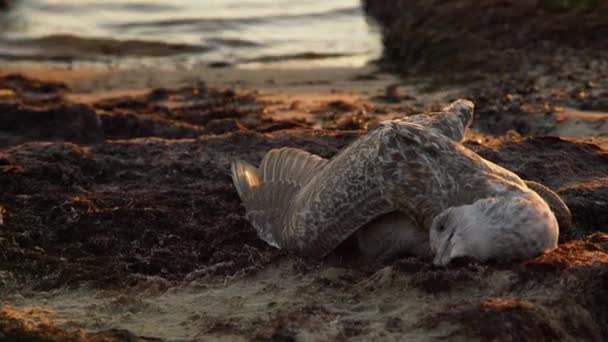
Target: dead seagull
{"x":407,"y":186}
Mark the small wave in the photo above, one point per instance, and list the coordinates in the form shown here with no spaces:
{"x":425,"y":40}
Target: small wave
{"x":69,"y":45}
{"x":297,"y":56}
{"x":215,"y":23}
{"x":232,"y":42}
{"x":139,"y":7}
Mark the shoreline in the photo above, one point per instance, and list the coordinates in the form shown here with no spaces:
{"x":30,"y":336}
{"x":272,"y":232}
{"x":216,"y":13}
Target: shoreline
{"x":298,"y":93}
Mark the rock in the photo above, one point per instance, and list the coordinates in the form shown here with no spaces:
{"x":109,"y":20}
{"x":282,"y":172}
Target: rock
{"x":5,"y":4}
{"x":429,"y":36}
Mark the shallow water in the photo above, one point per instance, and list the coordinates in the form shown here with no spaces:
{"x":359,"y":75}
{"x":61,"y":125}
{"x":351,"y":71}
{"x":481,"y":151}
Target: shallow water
{"x":235,"y":31}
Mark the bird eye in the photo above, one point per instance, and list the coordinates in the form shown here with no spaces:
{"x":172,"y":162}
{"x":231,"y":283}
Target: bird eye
{"x":441,"y":228}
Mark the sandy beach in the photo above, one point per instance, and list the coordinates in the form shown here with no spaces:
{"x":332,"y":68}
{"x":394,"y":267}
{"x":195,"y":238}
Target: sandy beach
{"x":124,"y":222}
{"x":119,"y":220}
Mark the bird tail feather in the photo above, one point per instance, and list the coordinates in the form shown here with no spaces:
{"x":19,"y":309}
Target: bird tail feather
{"x":557,"y":205}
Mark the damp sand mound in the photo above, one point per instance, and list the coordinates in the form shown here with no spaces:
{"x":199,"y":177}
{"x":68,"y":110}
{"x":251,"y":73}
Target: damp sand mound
{"x":119,"y":222}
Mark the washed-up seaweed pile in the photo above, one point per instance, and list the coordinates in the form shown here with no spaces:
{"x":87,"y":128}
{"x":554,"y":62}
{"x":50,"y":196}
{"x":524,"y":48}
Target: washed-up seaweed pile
{"x":115,"y":193}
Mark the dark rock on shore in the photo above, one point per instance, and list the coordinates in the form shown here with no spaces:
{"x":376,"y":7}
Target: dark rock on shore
{"x":496,"y":36}
{"x":5,"y":3}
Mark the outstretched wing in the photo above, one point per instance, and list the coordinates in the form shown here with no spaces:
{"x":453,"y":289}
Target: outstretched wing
{"x":453,"y":121}
{"x":346,"y":194}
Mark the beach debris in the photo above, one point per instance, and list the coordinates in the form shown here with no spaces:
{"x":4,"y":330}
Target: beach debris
{"x":7,"y":93}
{"x":219,"y":126}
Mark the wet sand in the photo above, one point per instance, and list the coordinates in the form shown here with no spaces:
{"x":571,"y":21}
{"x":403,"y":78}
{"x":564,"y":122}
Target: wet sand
{"x":119,"y":219}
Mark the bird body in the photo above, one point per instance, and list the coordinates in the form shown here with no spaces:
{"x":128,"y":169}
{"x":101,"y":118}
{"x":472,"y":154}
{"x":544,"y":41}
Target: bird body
{"x":390,"y":187}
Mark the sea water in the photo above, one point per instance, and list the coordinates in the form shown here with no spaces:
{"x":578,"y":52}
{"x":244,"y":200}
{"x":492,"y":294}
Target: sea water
{"x":333,"y":32}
